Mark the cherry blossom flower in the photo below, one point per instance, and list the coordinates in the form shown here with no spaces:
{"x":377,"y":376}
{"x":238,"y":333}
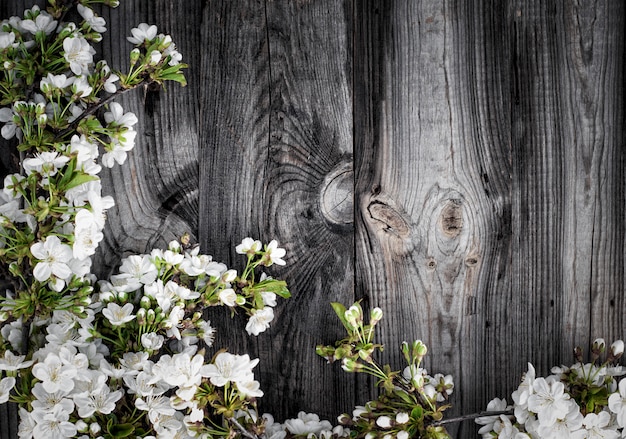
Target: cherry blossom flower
{"x":53,"y":424}
{"x":228,"y":297}
{"x":152,"y":341}
{"x":597,"y":426}
{"x":44,"y":23}
{"x":45,"y":163}
{"x":11,"y":362}
{"x":549,"y":401}
{"x":97,"y":402}
{"x":118,"y":315}
{"x":306,"y":424}
{"x":249,"y":246}
{"x":617,"y":404}
{"x":260,"y":320}
{"x":53,"y":257}
{"x":139,"y":268}
{"x":97,"y":24}
{"x":79,"y":54}
{"x":228,"y":367}
{"x":7,"y":39}
{"x":87,"y":234}
{"x":116,"y":116}
{"x":54,"y":375}
{"x":274,"y":254}
{"x":206,"y":332}
{"x":9,"y":128}
{"x":6,"y":385}
{"x":143,"y":32}
{"x":46,"y":401}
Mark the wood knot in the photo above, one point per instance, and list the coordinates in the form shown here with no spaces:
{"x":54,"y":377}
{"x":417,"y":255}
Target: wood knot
{"x":451,"y":219}
{"x":391,"y":219}
{"x":337,"y":195}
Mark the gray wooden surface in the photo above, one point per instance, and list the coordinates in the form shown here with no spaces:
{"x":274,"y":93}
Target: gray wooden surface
{"x":458,"y":163}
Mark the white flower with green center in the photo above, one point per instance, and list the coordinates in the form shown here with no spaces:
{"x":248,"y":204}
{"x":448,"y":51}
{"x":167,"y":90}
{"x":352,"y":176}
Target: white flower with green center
{"x":119,"y":315}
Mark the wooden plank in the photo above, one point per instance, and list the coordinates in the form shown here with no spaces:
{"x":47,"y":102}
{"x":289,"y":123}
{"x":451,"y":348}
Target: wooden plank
{"x":156,"y":191}
{"x":433,"y":179}
{"x":569,"y":168}
{"x":280,"y":135}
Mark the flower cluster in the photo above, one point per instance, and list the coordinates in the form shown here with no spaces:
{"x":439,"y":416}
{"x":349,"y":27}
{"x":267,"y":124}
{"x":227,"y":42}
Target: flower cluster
{"x":52,"y":213}
{"x":411,"y":402}
{"x":586,"y":400}
{"x":138,"y":354}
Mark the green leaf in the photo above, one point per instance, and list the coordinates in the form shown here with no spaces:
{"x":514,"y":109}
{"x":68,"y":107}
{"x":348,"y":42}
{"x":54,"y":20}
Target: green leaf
{"x":340,"y":310}
{"x":278,"y":287}
{"x":121,"y":430}
{"x":78,"y":179}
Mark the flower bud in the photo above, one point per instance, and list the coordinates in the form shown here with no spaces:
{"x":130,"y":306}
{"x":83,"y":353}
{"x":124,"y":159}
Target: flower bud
{"x":418,"y":350}
{"x":383,"y":421}
{"x":344,"y":419}
{"x":134,"y":56}
{"x":145,"y":302}
{"x":15,"y":269}
{"x":617,"y":348}
{"x":229,"y":276}
{"x":42,"y":120}
{"x":141,"y":316}
{"x":353,"y":316}
{"x":376,"y":315}
{"x":150,"y":316}
{"x":598,"y":345}
{"x":94,"y":428}
{"x":4,"y":316}
{"x":402,"y":418}
{"x":81,"y":426}
{"x":240,"y":300}
{"x":349,"y":365}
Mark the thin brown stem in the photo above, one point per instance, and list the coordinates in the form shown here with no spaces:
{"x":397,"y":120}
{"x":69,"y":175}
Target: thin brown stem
{"x":471,"y":416}
{"x":95,"y":107}
{"x":241,"y":428}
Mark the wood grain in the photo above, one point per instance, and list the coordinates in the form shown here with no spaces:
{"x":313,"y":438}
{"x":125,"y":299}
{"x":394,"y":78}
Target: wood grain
{"x":569,"y":169}
{"x":280,"y":136}
{"x":429,"y":229}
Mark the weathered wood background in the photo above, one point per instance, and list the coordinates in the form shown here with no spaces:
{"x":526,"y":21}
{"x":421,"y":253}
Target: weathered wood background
{"x":458,"y":163}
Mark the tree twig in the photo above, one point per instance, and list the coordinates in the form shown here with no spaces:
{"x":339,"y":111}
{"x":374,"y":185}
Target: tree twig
{"x":241,"y":428}
{"x":472,"y":416}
